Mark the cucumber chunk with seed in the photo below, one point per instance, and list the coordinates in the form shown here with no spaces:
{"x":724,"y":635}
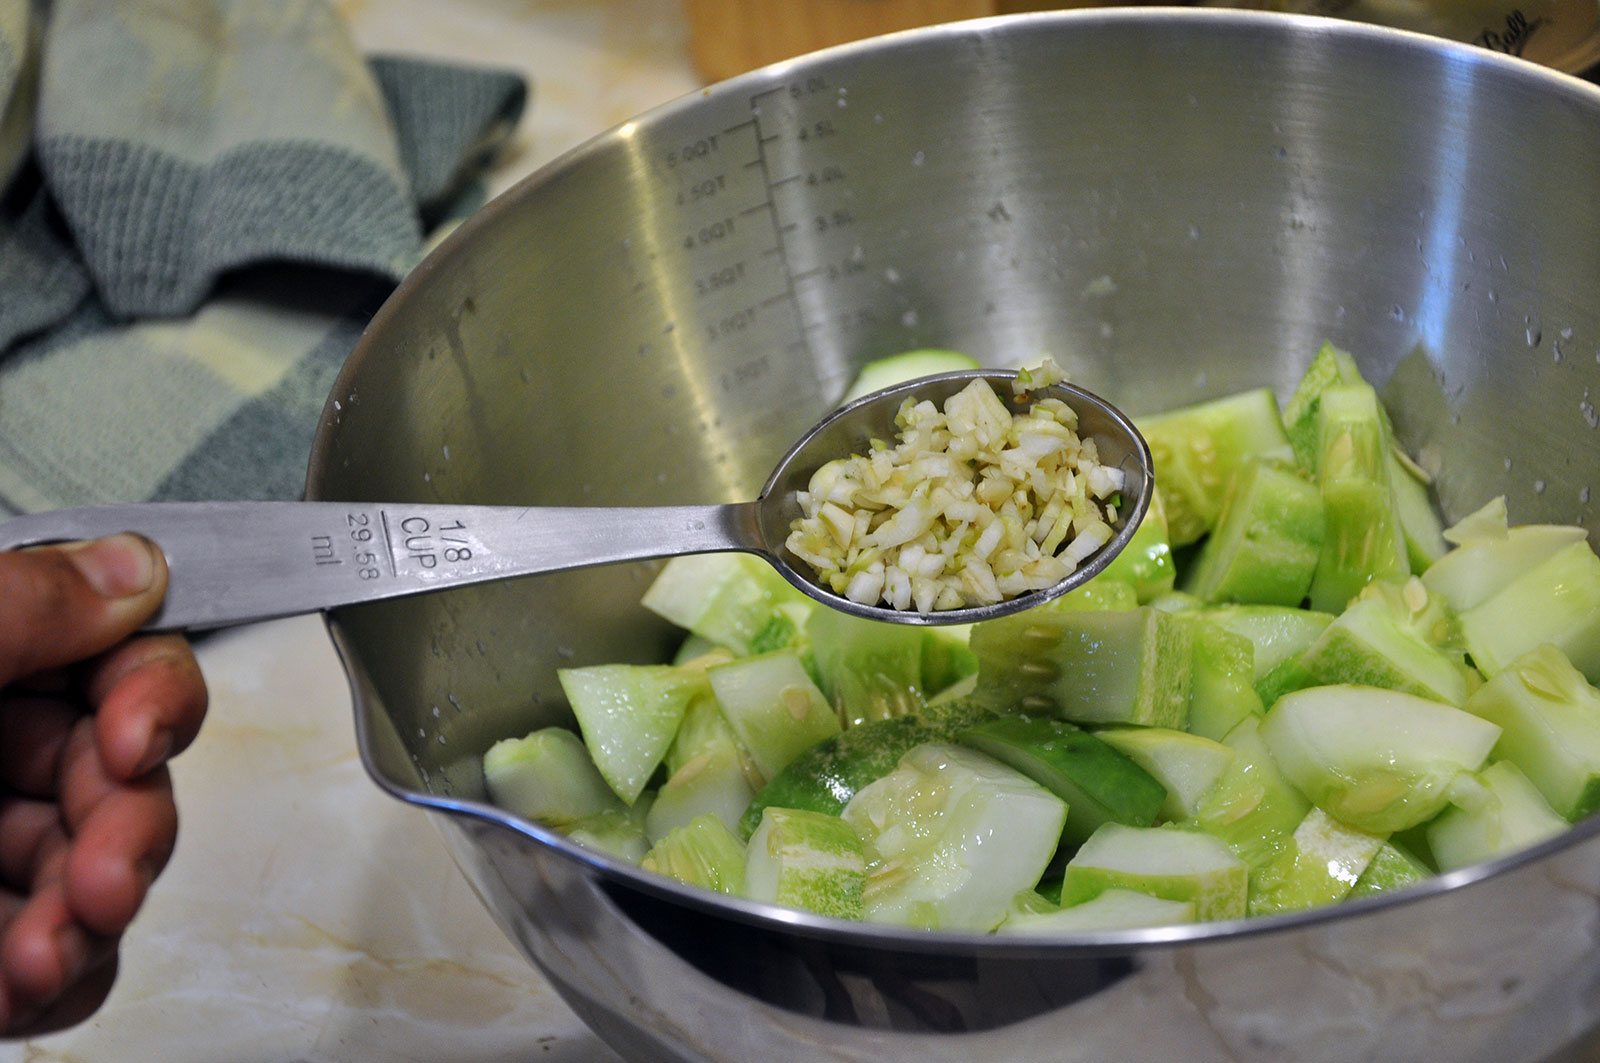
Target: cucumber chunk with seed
{"x":1321,"y":864}
{"x":773,"y":706}
{"x":1094,"y":667}
{"x":951,"y":836}
{"x":1379,"y":760}
{"x":702,"y":853}
{"x":1362,"y":540}
{"x":1253,"y":808}
{"x":1549,"y":720}
{"x":1556,"y":601}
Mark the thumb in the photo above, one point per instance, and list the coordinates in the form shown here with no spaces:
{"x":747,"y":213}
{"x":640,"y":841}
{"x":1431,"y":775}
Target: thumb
{"x":60,"y":604}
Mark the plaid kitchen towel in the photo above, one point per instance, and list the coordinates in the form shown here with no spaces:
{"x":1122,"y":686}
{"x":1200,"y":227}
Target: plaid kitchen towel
{"x":203,"y":202}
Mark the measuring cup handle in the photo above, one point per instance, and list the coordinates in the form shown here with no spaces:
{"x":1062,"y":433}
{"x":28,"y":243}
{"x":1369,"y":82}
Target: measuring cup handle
{"x":236,"y":562}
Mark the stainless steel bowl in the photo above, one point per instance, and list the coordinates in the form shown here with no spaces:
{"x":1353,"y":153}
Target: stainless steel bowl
{"x":1175,"y":204}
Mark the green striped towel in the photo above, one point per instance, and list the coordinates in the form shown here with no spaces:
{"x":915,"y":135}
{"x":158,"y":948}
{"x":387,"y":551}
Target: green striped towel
{"x":203,"y":203}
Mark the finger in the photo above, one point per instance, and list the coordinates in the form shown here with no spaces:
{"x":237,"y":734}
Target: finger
{"x":122,"y":833}
{"x":67,"y":603}
{"x":151,"y":699}
{"x":33,"y":736}
{"x":79,"y":1001}
{"x":118,"y":851}
{"x":44,"y":950}
{"x":29,"y":832}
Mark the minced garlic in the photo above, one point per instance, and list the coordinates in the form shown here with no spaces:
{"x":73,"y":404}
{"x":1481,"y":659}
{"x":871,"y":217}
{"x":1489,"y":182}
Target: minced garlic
{"x":971,"y":506}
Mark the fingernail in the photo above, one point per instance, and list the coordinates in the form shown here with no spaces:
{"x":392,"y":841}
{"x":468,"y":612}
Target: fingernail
{"x":119,"y":566}
{"x":156,"y":751}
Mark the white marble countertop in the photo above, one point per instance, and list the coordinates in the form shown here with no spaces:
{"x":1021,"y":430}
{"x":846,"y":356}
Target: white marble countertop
{"x":306,"y":916}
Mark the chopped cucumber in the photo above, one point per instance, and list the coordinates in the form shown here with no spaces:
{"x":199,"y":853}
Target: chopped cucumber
{"x":773,"y":706}
{"x":726,"y":598}
{"x":1169,"y":862}
{"x":1186,"y":765}
{"x":1329,"y":367}
{"x":1222,"y":678}
{"x":1146,"y":564}
{"x":1293,"y":756}
{"x":1511,"y":815}
{"x":702,"y":853}
{"x":1321,"y":864}
{"x":827,"y":775}
{"x":703,"y":729}
{"x":1393,"y":636}
{"x":1549,"y":720}
{"x":1087,"y":666}
{"x":1376,"y":759}
{"x":1265,"y":545}
{"x":619,"y":833}
{"x":900,"y":368}
{"x":951,"y":836}
{"x":629,"y":714}
{"x":1197,"y":448}
{"x":1419,"y":521}
{"x":716,"y":782}
{"x":1113,"y":909}
{"x":868,"y":669}
{"x":1477,"y":570}
{"x":1099,"y":784}
{"x":1098,"y":593}
{"x":1393,"y":868}
{"x":547,"y":777}
{"x":1252,"y":808}
{"x":1362,"y":540}
{"x":1556,"y":601}
{"x":947,"y":660}
{"x":807,"y":860}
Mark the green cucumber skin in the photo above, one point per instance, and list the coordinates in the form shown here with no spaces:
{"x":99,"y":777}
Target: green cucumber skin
{"x":1394,"y":867}
{"x":825,"y":777}
{"x":1266,"y":542}
{"x":1222,"y":679}
{"x":1197,"y":448}
{"x":1329,"y":367}
{"x":1365,"y":646}
{"x":1088,"y":667}
{"x":1098,"y":783}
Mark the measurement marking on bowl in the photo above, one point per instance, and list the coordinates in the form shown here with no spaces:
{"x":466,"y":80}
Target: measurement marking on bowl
{"x":770,"y":222}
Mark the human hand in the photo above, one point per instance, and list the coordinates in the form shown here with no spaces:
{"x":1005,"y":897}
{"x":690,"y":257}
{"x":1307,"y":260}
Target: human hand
{"x":89,"y":715}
